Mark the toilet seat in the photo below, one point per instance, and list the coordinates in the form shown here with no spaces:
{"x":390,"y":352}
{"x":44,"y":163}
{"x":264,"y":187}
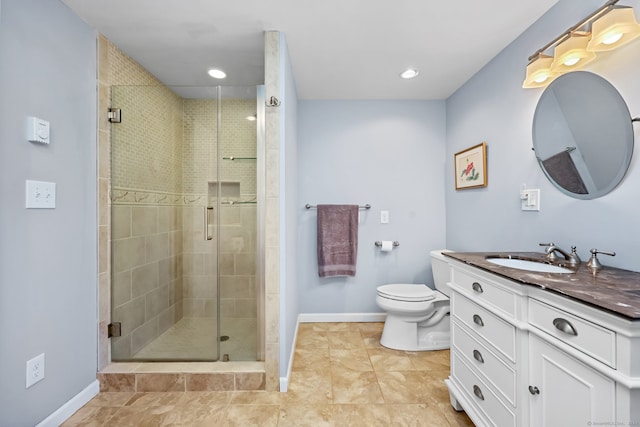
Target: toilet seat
{"x":406,"y":292}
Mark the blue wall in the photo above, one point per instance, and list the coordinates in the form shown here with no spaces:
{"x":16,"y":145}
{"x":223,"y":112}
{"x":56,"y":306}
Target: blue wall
{"x":389,"y":154}
{"x":398,"y":156}
{"x":493,"y":107}
{"x":47,"y":257}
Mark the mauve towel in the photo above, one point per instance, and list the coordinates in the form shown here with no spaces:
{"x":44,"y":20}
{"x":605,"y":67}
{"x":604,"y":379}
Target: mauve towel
{"x":337,"y":240}
{"x":562,"y":170}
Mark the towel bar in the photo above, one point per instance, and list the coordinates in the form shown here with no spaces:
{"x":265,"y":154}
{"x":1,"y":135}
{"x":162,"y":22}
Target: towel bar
{"x":308,"y":206}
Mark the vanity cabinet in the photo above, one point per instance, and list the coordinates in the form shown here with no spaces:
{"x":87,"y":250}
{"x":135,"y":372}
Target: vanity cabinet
{"x":566,"y":392}
{"x":524,"y":356}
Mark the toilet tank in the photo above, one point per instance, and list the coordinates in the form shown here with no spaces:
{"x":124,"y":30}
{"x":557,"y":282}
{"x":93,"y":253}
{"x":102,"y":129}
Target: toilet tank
{"x":440,"y":268}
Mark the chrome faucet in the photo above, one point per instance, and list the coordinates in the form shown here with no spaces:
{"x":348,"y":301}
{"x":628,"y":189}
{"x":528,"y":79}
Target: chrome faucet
{"x":572,"y":258}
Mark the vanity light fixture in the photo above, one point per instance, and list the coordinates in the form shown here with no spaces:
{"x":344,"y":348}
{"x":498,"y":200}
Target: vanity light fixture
{"x":607,"y":28}
{"x":216,"y":73}
{"x":409,"y":73}
{"x":539,"y":72}
{"x":614,"y":29}
{"x":572,"y":53}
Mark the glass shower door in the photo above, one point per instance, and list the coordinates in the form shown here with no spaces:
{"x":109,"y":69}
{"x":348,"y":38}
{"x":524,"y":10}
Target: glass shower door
{"x":200,"y":240}
{"x":185,"y":178}
{"x":163,"y":230}
{"x":238,"y":219}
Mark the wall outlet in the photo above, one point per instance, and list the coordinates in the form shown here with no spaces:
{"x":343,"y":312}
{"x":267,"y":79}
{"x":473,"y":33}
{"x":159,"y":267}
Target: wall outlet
{"x":384,"y":217}
{"x":35,"y":370}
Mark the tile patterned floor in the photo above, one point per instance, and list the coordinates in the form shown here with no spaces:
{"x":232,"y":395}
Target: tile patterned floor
{"x":341,"y":376}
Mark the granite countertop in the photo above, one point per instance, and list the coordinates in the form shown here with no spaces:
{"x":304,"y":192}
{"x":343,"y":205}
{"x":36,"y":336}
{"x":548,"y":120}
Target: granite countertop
{"x":614,"y":290}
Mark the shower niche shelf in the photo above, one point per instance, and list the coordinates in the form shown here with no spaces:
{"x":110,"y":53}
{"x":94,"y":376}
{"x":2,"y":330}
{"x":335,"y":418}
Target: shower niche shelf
{"x":228,"y":189}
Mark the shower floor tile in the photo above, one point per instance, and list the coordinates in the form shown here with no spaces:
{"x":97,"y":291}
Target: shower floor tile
{"x":194,"y":338}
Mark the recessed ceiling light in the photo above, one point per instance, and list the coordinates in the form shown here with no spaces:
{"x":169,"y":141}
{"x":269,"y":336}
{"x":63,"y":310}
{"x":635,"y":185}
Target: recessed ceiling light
{"x":409,"y":73}
{"x":217,"y":74}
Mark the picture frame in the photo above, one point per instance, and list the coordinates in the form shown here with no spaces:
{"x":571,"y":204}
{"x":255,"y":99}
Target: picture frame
{"x":470,"y":167}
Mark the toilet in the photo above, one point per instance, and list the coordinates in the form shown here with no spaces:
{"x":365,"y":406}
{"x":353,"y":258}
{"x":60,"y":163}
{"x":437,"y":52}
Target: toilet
{"x":417,"y":316}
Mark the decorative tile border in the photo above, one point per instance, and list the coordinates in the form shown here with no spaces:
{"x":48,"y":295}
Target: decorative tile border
{"x":133,"y":196}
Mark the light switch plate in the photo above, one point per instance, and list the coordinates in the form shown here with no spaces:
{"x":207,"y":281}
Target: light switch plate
{"x":41,"y":195}
{"x":530,"y":200}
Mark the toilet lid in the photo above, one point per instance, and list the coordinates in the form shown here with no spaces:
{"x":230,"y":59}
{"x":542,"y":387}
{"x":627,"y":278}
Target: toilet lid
{"x":406,"y":292}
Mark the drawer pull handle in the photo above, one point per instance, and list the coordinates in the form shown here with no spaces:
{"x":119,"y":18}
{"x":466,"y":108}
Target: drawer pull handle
{"x":478,"y":320}
{"x":477,"y":287}
{"x":478,"y":392}
{"x":478,"y":356}
{"x":564,"y":326}
{"x":534,"y":390}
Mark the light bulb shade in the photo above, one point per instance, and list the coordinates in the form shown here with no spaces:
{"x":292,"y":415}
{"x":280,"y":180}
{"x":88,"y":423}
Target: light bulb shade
{"x":617,"y":27}
{"x":539,"y":72}
{"x":572,"y":54}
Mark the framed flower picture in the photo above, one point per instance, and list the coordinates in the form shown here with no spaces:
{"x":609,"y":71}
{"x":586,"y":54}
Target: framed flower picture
{"x":471,"y":167}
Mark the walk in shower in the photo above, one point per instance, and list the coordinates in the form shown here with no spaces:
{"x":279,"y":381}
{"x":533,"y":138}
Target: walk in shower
{"x":186,"y":200}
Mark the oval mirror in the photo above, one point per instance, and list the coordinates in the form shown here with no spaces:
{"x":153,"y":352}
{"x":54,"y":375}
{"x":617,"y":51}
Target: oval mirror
{"x":583,"y":135}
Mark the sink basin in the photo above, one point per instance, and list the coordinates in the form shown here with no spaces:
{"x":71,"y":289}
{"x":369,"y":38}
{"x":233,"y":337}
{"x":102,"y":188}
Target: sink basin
{"x":523,"y":264}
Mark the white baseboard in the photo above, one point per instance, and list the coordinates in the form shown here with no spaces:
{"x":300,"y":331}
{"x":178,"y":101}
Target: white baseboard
{"x":284,"y":381}
{"x":341,"y":317}
{"x":65,"y":411}
{"x":284,"y":384}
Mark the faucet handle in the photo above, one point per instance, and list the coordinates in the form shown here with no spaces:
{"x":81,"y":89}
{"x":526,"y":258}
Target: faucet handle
{"x":595,"y":252}
{"x":574,"y":259}
{"x":594,"y":264}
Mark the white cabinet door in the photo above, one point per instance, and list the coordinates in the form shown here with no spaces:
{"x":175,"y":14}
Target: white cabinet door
{"x":565,"y":392}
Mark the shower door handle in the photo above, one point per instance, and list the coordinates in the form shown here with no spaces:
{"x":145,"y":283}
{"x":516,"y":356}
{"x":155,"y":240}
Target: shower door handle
{"x":207,"y":222}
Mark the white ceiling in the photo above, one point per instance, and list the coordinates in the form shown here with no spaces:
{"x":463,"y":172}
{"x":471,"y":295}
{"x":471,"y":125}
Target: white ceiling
{"x":339,"y":49}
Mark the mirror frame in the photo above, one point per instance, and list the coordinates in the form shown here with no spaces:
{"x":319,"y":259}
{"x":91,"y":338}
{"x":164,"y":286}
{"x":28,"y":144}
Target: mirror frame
{"x":542,"y":122}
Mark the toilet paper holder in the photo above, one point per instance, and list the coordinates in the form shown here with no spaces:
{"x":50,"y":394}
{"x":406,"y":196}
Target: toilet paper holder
{"x":395,"y":243}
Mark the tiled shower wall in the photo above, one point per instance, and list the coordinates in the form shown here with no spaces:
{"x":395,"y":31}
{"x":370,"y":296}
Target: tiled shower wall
{"x":238,"y":246}
{"x":147,"y":202}
{"x":199,"y":167}
{"x":237,"y":231}
{"x":117,"y":69}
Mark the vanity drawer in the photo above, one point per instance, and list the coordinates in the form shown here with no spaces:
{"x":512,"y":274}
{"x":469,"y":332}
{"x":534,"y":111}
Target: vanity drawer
{"x":586,"y":336}
{"x":496,"y":331}
{"x":482,"y":360}
{"x":481,"y":395}
{"x":486,"y":291}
